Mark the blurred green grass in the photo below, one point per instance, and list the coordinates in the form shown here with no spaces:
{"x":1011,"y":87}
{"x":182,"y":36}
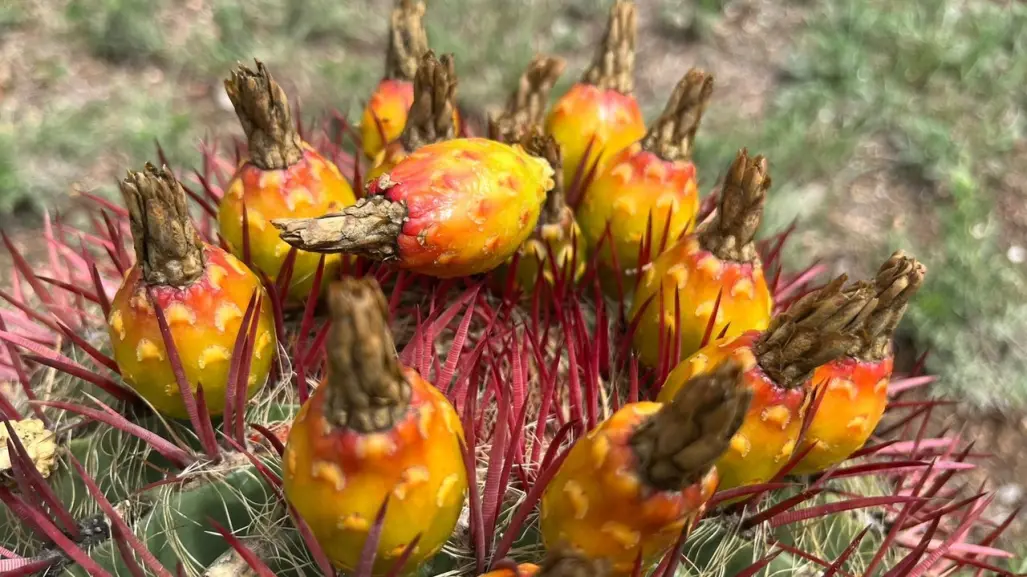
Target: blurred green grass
{"x":941,"y":82}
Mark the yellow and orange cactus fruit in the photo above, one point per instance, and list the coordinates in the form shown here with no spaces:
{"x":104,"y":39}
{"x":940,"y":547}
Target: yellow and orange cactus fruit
{"x":283,"y":176}
{"x":374,"y":430}
{"x":854,"y":388}
{"x":600,"y":110}
{"x":454,"y":208}
{"x":628,"y":488}
{"x":557,"y":230}
{"x":560,"y":561}
{"x":653,"y":180}
{"x":203,"y":292}
{"x":720,"y":259}
{"x":432,"y":114}
{"x":777,"y":364}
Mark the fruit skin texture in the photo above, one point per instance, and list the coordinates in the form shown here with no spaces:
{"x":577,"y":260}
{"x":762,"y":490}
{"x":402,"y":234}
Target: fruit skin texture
{"x":390,"y":103}
{"x":204,"y":318}
{"x":311,"y":187}
{"x":577,"y":505}
{"x":395,"y":151}
{"x":522,"y":570}
{"x":855,"y":395}
{"x":471,"y":203}
{"x":587,"y":111}
{"x":634,"y":184}
{"x":696,"y":276}
{"x":337,"y":478}
{"x":771,"y":428}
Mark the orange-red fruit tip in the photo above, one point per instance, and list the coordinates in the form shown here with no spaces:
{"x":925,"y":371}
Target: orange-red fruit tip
{"x":854,"y":388}
{"x":679,"y":291}
{"x":599,"y":113}
{"x":778,"y":364}
{"x":374,"y":430}
{"x":633,"y":483}
{"x":452,"y":208}
{"x":203,"y":293}
{"x":283,"y":177}
{"x":648,"y":192}
{"x":386,"y":112}
{"x":432,"y":116}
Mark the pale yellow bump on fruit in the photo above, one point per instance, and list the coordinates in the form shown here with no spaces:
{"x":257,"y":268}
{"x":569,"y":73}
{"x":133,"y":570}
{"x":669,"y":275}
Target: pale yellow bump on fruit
{"x":743,"y":287}
{"x":329,"y":473}
{"x":271,"y":179}
{"x":139,"y":302}
{"x":118,"y":324}
{"x":740,"y":444}
{"x":625,"y":536}
{"x":236,"y":264}
{"x":881,"y":386}
{"x":255,"y":219}
{"x":252,"y":380}
{"x":578,"y":500}
{"x":354,"y":522}
{"x":777,"y":415}
{"x":679,"y":274}
{"x":298,"y":196}
{"x":711,"y":265}
{"x":624,"y":204}
{"x":290,"y":461}
{"x":698,"y":363}
{"x":215,"y":274}
{"x":844,"y":385}
{"x":668,"y":202}
{"x":625,"y":482}
{"x":263,"y":340}
{"x":411,"y":477}
{"x":785,"y":452}
{"x":236,"y":189}
{"x":375,"y":446}
{"x":600,"y":449}
{"x":424,"y":421}
{"x":669,"y":320}
{"x":226,"y":312}
{"x":445,"y":489}
{"x":857,"y":424}
{"x":655,"y":171}
{"x":623,"y":172}
{"x":213,"y":354}
{"x":491,"y":243}
{"x":745,"y":357}
{"x":281,"y":249}
{"x":649,"y":275}
{"x":179,"y":313}
{"x":705,"y":309}
{"x":146,"y":350}
{"x":448,"y":415}
{"x":447,"y":257}
{"x":399,"y":550}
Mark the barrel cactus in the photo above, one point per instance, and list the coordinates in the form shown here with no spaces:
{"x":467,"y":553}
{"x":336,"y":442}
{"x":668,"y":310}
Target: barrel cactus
{"x":397,"y":416}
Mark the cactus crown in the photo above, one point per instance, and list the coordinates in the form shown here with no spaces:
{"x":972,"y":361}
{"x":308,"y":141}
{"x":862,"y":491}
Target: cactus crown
{"x":526,"y":106}
{"x":729,"y":235}
{"x":431,"y":115}
{"x":679,"y":444}
{"x":545,"y":146}
{"x":167,"y":246}
{"x":613,"y":66}
{"x":407,"y":41}
{"x":673,"y":133}
{"x":565,"y":562}
{"x":263,"y":110}
{"x":817,"y":329}
{"x":367,"y":391}
{"x":898,"y":279}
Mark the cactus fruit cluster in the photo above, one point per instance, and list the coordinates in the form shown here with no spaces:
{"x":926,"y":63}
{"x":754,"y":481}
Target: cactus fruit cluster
{"x":269,"y":368}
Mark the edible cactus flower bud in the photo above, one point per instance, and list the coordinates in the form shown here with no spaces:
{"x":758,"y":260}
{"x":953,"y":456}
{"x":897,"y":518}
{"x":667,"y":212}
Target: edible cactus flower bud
{"x":372,"y":430}
{"x":777,"y":364}
{"x":650,"y":179}
{"x":203,"y":292}
{"x":600,"y":110}
{"x":557,"y":229}
{"x":718,"y":260}
{"x":855,"y":387}
{"x":283,"y":177}
{"x":454,"y":208}
{"x":432,"y":116}
{"x":630,"y":486}
{"x":386,"y":112}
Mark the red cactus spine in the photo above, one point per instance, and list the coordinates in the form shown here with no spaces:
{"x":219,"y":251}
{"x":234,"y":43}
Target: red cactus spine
{"x":855,"y":387}
{"x":283,"y":177}
{"x":647,"y":192}
{"x":202,"y":292}
{"x":778,"y":365}
{"x":453,"y":208}
{"x":374,"y":430}
{"x":717,"y":263}
{"x":599,"y":116}
{"x":432,"y":115}
{"x":633,"y":483}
